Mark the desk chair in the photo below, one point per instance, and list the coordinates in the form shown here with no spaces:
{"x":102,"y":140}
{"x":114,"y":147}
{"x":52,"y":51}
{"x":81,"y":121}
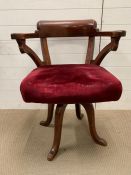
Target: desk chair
{"x":79,"y":84}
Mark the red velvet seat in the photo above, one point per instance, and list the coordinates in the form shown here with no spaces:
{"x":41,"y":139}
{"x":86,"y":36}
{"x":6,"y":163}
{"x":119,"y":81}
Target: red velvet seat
{"x":78,"y":83}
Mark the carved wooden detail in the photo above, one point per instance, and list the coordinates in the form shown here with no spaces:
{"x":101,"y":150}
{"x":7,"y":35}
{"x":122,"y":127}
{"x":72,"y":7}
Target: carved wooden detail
{"x":78,"y":111}
{"x":112,"y":46}
{"x":91,"y":118}
{"x":60,"y":108}
{"x":49,"y":115}
{"x":45,"y":51}
{"x":90,"y":50}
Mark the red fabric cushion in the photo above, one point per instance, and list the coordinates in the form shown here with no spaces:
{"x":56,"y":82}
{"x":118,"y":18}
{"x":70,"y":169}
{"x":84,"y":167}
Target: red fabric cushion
{"x":71,"y":83}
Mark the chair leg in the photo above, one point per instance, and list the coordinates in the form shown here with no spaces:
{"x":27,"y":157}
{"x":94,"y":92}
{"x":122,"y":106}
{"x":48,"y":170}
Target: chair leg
{"x":49,"y":115}
{"x":91,"y":118}
{"x":78,"y":111}
{"x":57,"y":130}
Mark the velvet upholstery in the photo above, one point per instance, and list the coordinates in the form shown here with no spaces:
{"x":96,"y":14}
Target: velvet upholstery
{"x":70,"y":83}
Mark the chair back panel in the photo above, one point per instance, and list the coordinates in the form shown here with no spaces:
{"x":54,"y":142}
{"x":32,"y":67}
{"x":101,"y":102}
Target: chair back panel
{"x":73,"y":28}
{"x":68,"y":28}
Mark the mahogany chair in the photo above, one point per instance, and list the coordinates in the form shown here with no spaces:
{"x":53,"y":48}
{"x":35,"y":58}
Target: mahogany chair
{"x":79,"y":84}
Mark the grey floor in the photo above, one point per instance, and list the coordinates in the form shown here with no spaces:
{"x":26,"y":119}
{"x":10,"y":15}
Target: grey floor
{"x":24,"y":144}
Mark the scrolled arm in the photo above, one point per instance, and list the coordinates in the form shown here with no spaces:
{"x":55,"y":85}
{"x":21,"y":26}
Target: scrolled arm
{"x":21,"y":40}
{"x":112,"y":46}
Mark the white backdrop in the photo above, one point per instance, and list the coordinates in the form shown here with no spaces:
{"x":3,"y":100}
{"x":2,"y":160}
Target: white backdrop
{"x":22,"y":16}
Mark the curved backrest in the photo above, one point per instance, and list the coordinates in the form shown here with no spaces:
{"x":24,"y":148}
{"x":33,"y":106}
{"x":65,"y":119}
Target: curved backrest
{"x":67,"y":28}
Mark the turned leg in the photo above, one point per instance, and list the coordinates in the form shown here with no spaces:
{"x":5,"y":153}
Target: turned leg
{"x":49,"y":115}
{"x":91,"y":118}
{"x":57,"y":130}
{"x":78,"y":111}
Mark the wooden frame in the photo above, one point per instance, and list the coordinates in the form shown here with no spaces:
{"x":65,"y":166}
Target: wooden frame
{"x":68,"y":29}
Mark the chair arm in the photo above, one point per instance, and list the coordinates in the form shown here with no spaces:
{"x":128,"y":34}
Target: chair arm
{"x":24,"y":35}
{"x":117,"y":33}
{"x":21,"y":40}
{"x":112,"y":46}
